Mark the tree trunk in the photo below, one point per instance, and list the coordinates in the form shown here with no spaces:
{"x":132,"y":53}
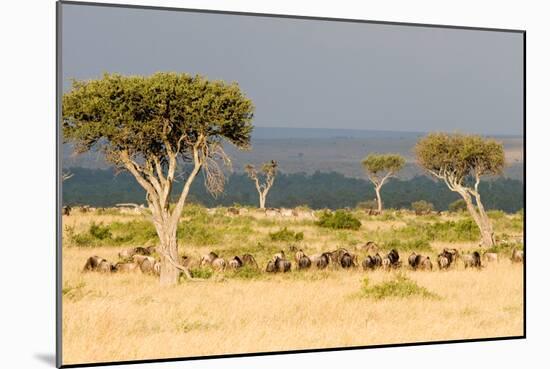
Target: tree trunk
{"x":166,"y":230}
{"x":481,"y":219}
{"x":378,"y":199}
{"x":262,"y":201}
{"x":487,"y":234}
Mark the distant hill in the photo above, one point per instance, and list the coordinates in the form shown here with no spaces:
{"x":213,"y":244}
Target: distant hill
{"x":333,"y":190}
{"x":309,"y":150}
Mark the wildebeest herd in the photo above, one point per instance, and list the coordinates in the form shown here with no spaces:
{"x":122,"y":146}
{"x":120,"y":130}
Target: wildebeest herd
{"x":142,"y":259}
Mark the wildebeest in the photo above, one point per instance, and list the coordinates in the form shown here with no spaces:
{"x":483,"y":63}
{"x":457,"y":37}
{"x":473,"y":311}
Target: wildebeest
{"x":126,"y":267}
{"x":472,"y":260}
{"x":270,"y":268}
{"x":208,"y":258}
{"x":156,"y":268}
{"x":412,"y":260}
{"x":248,"y":260}
{"x":490,"y":256}
{"x":377,"y":260}
{"x":454,"y":254}
{"x":143,"y":250}
{"x":368,"y":263}
{"x":346,"y":261}
{"x":386,"y":263}
{"x":443,"y":261}
{"x":423,"y":262}
{"x":446,"y":257}
{"x":370,"y":246}
{"x":235,"y":263}
{"x":304,"y":262}
{"x":218,"y":264}
{"x":321,"y":261}
{"x":147,"y":266}
{"x":93,"y":263}
{"x":336,"y":256}
{"x":298,"y":255}
{"x":280,"y":255}
{"x":393,"y":255}
{"x":105,"y":267}
{"x":517,"y":256}
{"x":282,"y":265}
{"x":66,"y":210}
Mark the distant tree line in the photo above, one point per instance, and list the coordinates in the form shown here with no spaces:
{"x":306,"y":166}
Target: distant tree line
{"x":320,"y":190}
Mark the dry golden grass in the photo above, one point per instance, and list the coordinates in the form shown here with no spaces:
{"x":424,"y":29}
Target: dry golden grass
{"x":128,"y":317}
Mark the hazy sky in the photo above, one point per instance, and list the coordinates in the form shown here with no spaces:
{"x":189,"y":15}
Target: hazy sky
{"x":310,"y":73}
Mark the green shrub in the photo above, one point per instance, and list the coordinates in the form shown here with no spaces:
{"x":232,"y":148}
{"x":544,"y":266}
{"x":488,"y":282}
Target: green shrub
{"x":246,"y":272}
{"x":100,"y":231}
{"x":457,"y":206}
{"x":203,"y":273}
{"x":422,"y":207}
{"x":286,"y":235}
{"x":400,"y":287}
{"x":449,"y":231}
{"x":338,"y":220}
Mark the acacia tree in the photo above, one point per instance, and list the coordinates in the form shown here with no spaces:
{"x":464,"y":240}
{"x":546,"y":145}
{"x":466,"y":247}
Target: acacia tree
{"x":268,"y":172}
{"x":151,"y":126}
{"x":460,"y":161}
{"x":380,"y":167}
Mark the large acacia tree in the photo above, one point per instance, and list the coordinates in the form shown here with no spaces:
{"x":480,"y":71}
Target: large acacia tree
{"x":159,"y":128}
{"x":380,"y":167}
{"x":460,"y":161}
{"x":264,"y":179}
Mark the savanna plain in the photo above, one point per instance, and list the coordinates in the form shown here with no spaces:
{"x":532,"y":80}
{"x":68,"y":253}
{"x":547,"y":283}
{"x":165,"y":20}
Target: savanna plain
{"x":128,"y":316}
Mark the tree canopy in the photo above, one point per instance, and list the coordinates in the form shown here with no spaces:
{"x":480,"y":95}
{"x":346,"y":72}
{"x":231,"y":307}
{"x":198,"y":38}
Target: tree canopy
{"x":457,"y":156}
{"x":375,"y":164}
{"x":145,"y":117}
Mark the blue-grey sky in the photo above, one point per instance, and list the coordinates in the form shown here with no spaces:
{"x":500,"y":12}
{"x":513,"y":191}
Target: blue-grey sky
{"x":312,"y":73}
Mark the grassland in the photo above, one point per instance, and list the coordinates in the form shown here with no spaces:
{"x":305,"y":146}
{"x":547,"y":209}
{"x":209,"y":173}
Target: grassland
{"x":128,"y":317}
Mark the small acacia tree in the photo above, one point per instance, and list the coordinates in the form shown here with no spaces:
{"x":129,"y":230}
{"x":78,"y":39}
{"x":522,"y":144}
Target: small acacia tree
{"x":268,"y":172}
{"x":460,"y":161}
{"x":380,"y":167}
{"x":152,"y":125}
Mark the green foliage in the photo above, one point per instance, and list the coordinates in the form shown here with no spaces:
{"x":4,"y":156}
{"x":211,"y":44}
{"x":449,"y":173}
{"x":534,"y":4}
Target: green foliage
{"x":448,"y":231}
{"x":286,"y":235}
{"x":99,"y":231}
{"x":505,"y":248}
{"x":457,"y":206}
{"x":459,"y":156}
{"x":136,"y":232}
{"x":399,"y":287}
{"x":198,"y":232}
{"x":141,"y":115}
{"x":246,"y":272}
{"x":340,"y":219}
{"x":376,"y":163}
{"x":422,"y":207}
{"x":201,"y":272}
{"x":407,"y":245}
